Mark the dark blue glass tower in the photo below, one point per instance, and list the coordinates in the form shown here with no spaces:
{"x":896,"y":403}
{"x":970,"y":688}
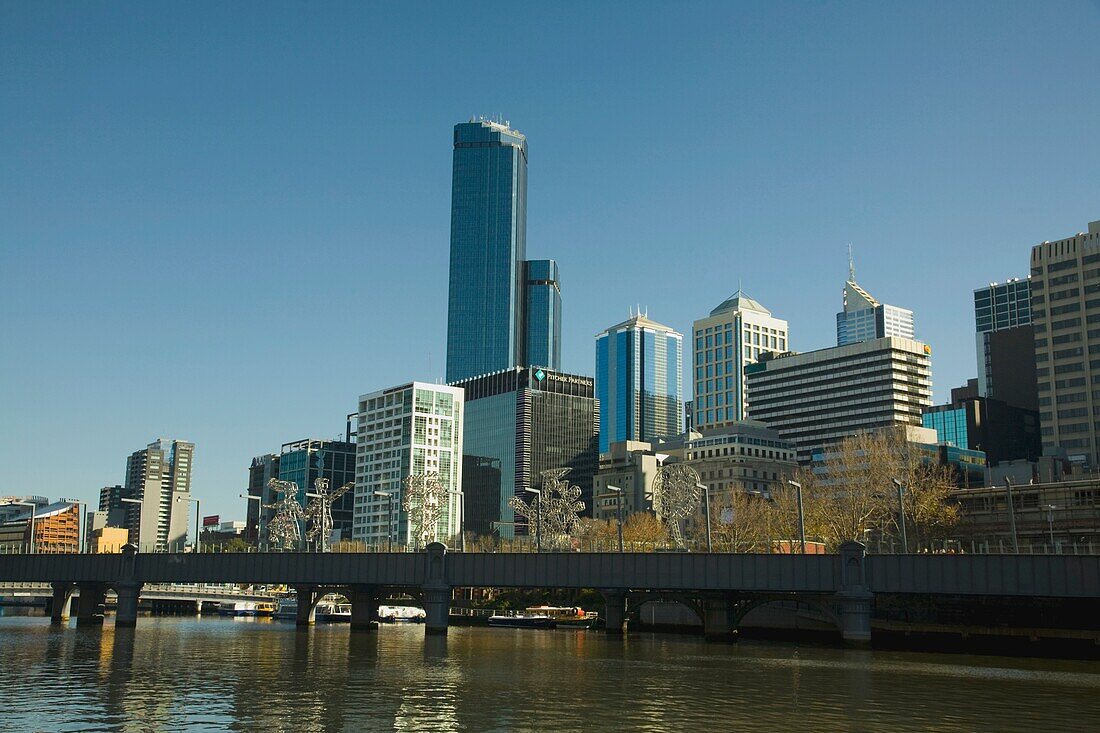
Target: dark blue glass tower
{"x":543,"y":315}
{"x":486,"y":330}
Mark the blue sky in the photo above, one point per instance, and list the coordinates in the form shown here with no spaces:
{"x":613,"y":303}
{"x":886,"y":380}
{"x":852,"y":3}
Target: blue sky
{"x":224,"y":222}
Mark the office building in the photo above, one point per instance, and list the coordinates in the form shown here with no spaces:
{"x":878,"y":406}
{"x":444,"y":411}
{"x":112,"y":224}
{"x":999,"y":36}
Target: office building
{"x":629,"y":466}
{"x":306,"y":460}
{"x":485,"y":328}
{"x":412,"y":429}
{"x":1002,"y":431}
{"x":865,"y":319}
{"x":503,"y":310}
{"x":260,"y":472}
{"x":639,"y":381}
{"x":519,"y":423}
{"x":742,"y":456}
{"x":1005,"y":343}
{"x":1065,"y":315}
{"x":112,"y":506}
{"x":51,"y":528}
{"x":543,"y":314}
{"x":819,"y":397}
{"x":735,"y":333}
{"x":158,"y":485}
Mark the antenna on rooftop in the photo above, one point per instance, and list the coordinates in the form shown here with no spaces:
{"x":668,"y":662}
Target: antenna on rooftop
{"x":851,"y":264}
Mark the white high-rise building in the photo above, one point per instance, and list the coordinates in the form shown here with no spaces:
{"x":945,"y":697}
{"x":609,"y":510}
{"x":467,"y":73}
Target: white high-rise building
{"x":819,"y":397}
{"x":864,"y":318}
{"x":412,"y":429}
{"x":735,"y":333}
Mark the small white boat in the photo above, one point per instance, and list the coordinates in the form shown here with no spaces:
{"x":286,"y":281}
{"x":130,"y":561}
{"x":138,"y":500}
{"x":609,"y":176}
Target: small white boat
{"x":328,"y":612}
{"x":237,"y":608}
{"x":401,"y":614}
{"x":287,"y":610}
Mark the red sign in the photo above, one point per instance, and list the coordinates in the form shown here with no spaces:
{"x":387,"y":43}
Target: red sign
{"x":211,"y":521}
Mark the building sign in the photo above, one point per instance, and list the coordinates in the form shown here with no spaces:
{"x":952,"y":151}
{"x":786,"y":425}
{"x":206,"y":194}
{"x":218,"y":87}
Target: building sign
{"x":211,"y":521}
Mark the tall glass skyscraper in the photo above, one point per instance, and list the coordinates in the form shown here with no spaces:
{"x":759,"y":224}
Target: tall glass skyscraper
{"x":639,"y":381}
{"x":543,"y":315}
{"x":485,"y":315}
{"x":866,"y":319}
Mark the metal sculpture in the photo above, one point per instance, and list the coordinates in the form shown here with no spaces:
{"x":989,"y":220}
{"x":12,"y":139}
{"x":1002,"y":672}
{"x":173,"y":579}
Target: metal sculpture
{"x":555,"y":511}
{"x":319,"y":511}
{"x":676,"y":497}
{"x":423,"y":500}
{"x":283,"y":531}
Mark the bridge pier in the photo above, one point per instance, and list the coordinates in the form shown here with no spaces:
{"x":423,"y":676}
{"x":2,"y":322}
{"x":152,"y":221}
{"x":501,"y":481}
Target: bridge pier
{"x":61,"y":604}
{"x":307,"y":605}
{"x":437,"y":591}
{"x":854,"y":599}
{"x":90,"y":604}
{"x":614,"y":611}
{"x":127,"y":611}
{"x":364,"y":608}
{"x":718,"y":619}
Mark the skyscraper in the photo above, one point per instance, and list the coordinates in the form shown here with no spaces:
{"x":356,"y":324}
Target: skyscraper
{"x":503,"y":310}
{"x":158,"y":481}
{"x":1065,"y":313}
{"x":864,"y":318}
{"x":639,"y":381}
{"x":543,"y":314}
{"x":412,"y":429}
{"x":485,"y":324}
{"x":735,"y":333}
{"x":1005,"y":343}
{"x":519,"y":423}
{"x":819,"y":397}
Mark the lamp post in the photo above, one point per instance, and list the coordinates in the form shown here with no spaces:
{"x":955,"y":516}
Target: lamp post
{"x":618,"y":492}
{"x":538,"y":517}
{"x":389,"y":517}
{"x":901,"y":515}
{"x":1050,"y":524}
{"x":706,"y":510}
{"x":1012,"y":515}
{"x":198,"y":511}
{"x":801,"y":516}
{"x":30,"y":549}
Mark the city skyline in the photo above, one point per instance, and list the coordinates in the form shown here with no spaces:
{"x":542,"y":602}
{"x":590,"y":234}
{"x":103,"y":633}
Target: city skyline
{"x":92,"y":269}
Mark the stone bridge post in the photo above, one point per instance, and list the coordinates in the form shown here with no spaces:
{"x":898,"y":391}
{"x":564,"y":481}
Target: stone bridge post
{"x":127,"y":589}
{"x":307,"y":596}
{"x":89,"y":607}
{"x":364,"y":607}
{"x":436,"y":590}
{"x":854,"y":599}
{"x":61,"y":604}
{"x":614,"y":611}
{"x":718,"y":619}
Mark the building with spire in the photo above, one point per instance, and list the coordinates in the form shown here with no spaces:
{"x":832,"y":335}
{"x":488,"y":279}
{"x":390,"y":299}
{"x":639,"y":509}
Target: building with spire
{"x":735,"y":333}
{"x":639,"y":381}
{"x":864,"y":318}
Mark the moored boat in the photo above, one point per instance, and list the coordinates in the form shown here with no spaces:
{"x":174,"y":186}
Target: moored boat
{"x":573,"y":617}
{"x":523,"y":621}
{"x":401,"y":614}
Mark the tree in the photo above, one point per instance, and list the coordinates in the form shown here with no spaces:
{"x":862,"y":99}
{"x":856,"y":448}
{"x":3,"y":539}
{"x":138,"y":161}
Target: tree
{"x":643,"y":528}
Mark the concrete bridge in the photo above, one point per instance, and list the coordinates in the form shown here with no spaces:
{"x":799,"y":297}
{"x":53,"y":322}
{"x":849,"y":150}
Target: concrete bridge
{"x":40,"y":592}
{"x":722,"y":588}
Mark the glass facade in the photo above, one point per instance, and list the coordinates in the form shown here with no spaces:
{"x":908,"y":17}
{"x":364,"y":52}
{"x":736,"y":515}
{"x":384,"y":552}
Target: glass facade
{"x":303,"y":462}
{"x":485,"y":328}
{"x":543,"y":315}
{"x":950,"y":426}
{"x":865,"y":319}
{"x":997,"y":308}
{"x":519,"y":423}
{"x":639,"y":381}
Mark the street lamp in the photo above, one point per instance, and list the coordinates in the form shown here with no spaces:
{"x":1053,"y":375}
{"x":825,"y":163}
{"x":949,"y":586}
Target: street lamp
{"x":33,"y":507}
{"x":618,"y":492}
{"x":901,"y":515}
{"x":801,"y":516}
{"x":1050,"y":523}
{"x":389,"y":517}
{"x":1012,"y":515}
{"x":538,"y":518}
{"x":198,"y":511}
{"x":706,"y":509}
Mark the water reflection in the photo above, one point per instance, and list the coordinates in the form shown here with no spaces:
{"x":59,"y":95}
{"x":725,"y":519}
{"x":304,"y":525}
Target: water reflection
{"x":219,"y":674}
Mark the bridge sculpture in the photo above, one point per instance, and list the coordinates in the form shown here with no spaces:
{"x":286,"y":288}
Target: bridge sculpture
{"x":720,"y":587}
{"x":555,"y":512}
{"x":675,"y":498}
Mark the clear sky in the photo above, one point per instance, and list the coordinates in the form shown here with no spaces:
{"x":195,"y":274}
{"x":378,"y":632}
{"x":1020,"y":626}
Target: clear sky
{"x":224,"y":221}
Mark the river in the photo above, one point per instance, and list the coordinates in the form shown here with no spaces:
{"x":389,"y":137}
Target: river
{"x":215,"y":674}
